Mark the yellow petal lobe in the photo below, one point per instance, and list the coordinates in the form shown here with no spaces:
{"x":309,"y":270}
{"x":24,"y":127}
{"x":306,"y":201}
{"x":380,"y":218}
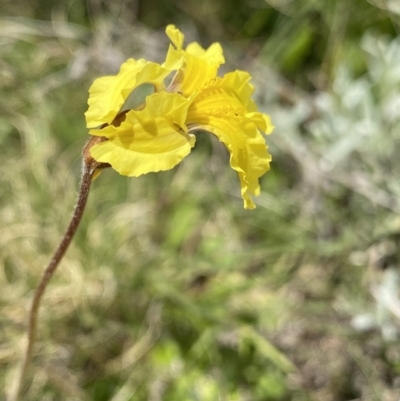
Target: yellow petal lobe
{"x":148,"y":140}
{"x":175,"y":35}
{"x":195,"y":74}
{"x":197,"y":66}
{"x":219,"y":109}
{"x":213,"y":55}
{"x":108,"y":94}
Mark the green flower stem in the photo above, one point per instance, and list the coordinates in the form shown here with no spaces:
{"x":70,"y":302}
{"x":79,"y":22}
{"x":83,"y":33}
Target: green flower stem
{"x":88,"y":171}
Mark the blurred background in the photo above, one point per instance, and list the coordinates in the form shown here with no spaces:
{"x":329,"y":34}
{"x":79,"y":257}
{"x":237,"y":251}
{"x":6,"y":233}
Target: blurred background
{"x":171,"y":290}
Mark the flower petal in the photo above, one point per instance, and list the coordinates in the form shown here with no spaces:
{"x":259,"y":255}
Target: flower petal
{"x":174,"y":59}
{"x":175,"y":35}
{"x":196,"y":73}
{"x":149,"y":140}
{"x":248,"y":153}
{"x":197,"y":66}
{"x":108,"y":94}
{"x":213,"y":55}
{"x":238,"y":82}
{"x":220,"y":112}
{"x":262,"y":121}
{"x":175,"y":56}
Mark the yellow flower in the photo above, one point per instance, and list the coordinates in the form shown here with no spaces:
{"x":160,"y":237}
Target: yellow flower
{"x":159,"y":133}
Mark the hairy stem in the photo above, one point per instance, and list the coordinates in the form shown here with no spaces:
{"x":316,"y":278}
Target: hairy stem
{"x":88,"y":169}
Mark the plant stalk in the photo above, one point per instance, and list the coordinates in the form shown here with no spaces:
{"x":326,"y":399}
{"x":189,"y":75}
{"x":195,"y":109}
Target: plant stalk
{"x":89,"y":166}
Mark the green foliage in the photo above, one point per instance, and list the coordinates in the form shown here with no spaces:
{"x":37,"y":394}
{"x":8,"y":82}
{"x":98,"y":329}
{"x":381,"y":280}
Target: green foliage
{"x":171,"y":291}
